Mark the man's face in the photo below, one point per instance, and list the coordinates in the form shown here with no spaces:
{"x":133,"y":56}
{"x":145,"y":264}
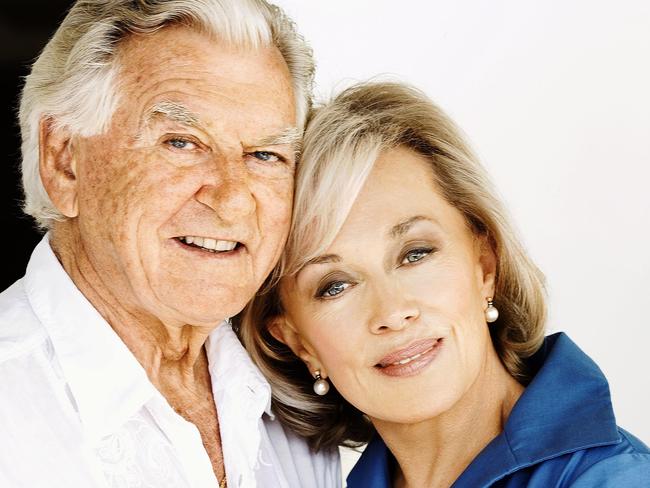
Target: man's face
{"x":196,"y":157}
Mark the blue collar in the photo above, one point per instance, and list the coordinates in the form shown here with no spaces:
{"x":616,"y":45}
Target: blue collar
{"x":566,"y":408}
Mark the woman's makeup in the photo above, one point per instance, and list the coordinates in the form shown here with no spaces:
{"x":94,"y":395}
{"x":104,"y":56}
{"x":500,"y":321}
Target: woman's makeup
{"x":411,"y":360}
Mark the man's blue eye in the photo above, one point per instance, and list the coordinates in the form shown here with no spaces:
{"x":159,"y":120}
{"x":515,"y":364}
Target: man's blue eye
{"x":179,"y":143}
{"x":266,"y":156}
{"x":334,"y":289}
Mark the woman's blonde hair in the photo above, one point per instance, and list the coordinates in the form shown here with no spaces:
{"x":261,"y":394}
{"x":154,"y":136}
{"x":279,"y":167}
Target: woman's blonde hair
{"x":342,"y":142}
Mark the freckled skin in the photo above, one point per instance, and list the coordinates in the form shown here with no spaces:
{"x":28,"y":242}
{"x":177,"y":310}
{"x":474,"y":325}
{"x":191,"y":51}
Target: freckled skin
{"x":135,"y":192}
{"x":134,"y":195}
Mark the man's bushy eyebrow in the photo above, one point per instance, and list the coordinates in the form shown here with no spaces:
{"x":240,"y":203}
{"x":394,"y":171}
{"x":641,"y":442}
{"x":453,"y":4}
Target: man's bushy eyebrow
{"x":291,"y":136}
{"x":174,"y":111}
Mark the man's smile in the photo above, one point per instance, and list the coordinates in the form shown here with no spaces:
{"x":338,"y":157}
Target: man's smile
{"x":209,"y":243}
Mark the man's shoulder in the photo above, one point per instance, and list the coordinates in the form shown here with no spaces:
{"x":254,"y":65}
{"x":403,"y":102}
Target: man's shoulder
{"x":20,"y":329}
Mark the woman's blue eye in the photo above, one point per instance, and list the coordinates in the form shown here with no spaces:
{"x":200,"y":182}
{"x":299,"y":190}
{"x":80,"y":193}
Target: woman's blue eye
{"x":333,"y":289}
{"x":266,"y":156}
{"x":415,"y":255}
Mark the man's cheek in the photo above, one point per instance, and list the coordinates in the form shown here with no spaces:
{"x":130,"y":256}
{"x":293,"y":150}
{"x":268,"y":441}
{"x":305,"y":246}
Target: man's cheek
{"x":280,"y":210}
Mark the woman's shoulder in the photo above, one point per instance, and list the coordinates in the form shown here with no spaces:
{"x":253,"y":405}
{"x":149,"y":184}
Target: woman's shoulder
{"x":626,"y":463}
{"x":623,"y":463}
{"x":632,"y":442}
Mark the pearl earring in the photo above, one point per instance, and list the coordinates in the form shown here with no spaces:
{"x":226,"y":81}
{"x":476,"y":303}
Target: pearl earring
{"x":491,"y":312}
{"x":321,"y":386}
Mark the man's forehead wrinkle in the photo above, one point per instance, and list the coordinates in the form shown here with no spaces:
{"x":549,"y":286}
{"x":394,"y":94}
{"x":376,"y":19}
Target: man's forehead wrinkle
{"x":207,"y":101}
{"x":173,"y":103}
{"x":217,"y":97}
{"x":146,"y":76}
{"x":149,"y":84}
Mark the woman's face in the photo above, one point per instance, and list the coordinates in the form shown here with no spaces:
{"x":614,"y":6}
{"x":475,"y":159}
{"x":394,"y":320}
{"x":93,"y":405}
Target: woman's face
{"x":393,"y":312}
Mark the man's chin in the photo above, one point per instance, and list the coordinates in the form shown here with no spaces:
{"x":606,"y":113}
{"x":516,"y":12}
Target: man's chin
{"x":203,"y":300}
{"x":208,"y":314}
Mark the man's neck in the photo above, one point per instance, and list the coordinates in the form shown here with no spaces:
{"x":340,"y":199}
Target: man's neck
{"x":172,"y":354}
{"x":164,"y":350}
{"x":436,"y":451}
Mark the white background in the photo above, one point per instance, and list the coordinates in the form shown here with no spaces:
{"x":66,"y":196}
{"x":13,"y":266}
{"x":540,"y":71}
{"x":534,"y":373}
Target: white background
{"x":554,"y":96}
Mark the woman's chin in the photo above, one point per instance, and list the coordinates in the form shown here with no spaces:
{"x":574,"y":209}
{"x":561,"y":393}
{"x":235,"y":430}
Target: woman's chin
{"x":412,"y":409}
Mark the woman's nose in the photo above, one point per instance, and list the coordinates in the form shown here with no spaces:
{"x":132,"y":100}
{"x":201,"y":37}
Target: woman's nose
{"x":393,"y":310}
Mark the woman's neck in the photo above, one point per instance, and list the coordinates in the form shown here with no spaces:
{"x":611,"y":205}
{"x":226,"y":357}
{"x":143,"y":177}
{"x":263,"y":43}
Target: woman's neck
{"x":435,"y":452}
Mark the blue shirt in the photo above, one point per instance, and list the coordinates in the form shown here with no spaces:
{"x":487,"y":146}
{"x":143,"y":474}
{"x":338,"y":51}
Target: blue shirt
{"x":561,"y":432}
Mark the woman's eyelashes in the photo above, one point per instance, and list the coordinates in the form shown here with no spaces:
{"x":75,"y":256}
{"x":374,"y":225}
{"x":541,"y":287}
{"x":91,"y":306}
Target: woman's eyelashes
{"x":332,"y":289}
{"x":332,"y":285}
{"x":416,"y":254}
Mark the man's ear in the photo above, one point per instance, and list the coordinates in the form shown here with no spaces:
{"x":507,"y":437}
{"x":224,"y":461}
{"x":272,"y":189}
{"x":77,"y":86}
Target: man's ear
{"x":282,"y":330}
{"x":57,"y":167}
{"x":487,"y":265}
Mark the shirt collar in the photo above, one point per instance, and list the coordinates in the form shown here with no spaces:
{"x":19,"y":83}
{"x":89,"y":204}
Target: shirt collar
{"x":107,"y":383}
{"x":372,"y":468}
{"x":566,"y":408}
{"x":233,"y":371}
{"x":242,"y":396}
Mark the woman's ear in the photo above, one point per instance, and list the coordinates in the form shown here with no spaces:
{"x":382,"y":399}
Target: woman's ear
{"x":284,"y":331}
{"x":57,"y":167}
{"x":488,"y":265}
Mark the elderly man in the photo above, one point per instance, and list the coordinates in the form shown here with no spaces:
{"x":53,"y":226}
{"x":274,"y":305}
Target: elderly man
{"x":159,"y":143}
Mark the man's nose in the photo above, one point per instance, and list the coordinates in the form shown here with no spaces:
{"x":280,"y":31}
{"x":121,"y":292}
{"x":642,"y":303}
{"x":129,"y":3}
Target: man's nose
{"x":227,"y":190}
{"x":392,"y":309}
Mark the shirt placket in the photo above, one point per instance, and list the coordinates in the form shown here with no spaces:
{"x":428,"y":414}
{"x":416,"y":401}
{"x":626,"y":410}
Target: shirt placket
{"x":186,"y":441}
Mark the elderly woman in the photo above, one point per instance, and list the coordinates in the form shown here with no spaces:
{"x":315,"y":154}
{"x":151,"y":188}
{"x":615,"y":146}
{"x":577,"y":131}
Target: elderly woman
{"x":404,"y":285}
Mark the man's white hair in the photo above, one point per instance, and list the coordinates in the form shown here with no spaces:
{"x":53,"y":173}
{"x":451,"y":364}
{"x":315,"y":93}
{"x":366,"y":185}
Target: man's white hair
{"x":73,"y":81}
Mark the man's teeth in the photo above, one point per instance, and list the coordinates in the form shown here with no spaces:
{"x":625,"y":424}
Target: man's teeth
{"x":209,"y":244}
{"x":408,"y":360}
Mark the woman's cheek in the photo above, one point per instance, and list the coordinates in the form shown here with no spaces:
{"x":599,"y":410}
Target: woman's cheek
{"x":337,"y":340}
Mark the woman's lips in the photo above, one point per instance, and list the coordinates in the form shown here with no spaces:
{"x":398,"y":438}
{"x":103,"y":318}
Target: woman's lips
{"x":410,"y":360}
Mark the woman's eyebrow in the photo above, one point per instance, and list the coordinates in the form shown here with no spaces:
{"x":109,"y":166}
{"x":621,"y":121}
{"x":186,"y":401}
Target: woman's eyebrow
{"x":323,"y":259}
{"x":398,"y":230}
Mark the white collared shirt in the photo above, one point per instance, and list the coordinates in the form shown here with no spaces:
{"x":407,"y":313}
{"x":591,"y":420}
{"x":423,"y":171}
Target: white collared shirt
{"x":77,"y":409}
